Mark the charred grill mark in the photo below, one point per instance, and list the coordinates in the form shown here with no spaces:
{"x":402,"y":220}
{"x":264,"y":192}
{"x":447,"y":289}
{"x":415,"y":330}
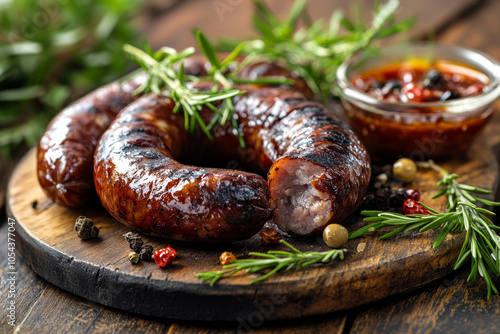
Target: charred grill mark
{"x":336,"y":137}
{"x":308,"y":109}
{"x":152,"y":155}
{"x":185,"y":174}
{"x":318,"y":158}
{"x":132,"y":132}
{"x":130,"y":120}
{"x":303,"y":143}
{"x":140,"y":143}
{"x":319,"y":120}
{"x":93,"y":110}
{"x":116,"y":102}
{"x":229,"y":192}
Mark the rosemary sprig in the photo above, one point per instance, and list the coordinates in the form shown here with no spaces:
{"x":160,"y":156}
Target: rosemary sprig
{"x":165,"y":80}
{"x":316,"y":51}
{"x":273,"y":260}
{"x":482,"y":243}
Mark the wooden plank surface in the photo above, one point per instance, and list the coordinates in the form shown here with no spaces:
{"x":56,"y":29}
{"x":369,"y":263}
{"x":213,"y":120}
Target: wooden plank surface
{"x":100,"y":271}
{"x":452,"y":306}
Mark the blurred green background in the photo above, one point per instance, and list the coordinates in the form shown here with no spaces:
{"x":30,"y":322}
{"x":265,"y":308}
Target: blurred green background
{"x":53,"y":51}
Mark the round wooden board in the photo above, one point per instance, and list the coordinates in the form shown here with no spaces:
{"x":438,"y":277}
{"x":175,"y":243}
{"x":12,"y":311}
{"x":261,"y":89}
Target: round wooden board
{"x":100,"y":271}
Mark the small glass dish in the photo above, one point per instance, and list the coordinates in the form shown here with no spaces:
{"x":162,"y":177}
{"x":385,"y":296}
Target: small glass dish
{"x":418,"y":130}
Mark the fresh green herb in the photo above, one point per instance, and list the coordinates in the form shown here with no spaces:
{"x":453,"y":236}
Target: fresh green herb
{"x":316,"y":51}
{"x":52,"y":52}
{"x":482,"y":243}
{"x":273,"y":261}
{"x":165,"y":80}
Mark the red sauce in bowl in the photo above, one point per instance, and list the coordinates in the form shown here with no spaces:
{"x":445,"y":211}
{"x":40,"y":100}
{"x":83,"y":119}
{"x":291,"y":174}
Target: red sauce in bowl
{"x":424,"y":128}
{"x":418,"y":81}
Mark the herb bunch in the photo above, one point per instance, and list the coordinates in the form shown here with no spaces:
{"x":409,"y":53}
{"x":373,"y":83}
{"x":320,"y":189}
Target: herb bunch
{"x":316,"y":50}
{"x":274,"y":261}
{"x":165,"y":79}
{"x":52,"y":52}
{"x":482,"y":243}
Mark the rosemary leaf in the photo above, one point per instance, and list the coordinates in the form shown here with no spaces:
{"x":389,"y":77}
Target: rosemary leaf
{"x":274,"y":261}
{"x":481,"y":244}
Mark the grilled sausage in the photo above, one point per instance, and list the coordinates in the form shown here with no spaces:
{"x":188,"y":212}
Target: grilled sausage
{"x":66,"y":149}
{"x":318,"y":169}
{"x":321,"y":172}
{"x":142,"y":185}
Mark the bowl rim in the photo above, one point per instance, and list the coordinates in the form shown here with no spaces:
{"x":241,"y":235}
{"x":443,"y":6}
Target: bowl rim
{"x":459,"y":106}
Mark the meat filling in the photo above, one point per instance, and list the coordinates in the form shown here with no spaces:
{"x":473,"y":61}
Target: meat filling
{"x":299,"y":206}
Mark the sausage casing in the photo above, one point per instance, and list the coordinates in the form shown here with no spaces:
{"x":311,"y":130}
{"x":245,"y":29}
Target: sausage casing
{"x":142,"y":185}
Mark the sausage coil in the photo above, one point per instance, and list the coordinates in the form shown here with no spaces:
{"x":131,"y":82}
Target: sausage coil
{"x":318,"y":169}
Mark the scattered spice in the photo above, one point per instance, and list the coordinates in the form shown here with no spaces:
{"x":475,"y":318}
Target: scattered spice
{"x":85,"y":228}
{"x":133,"y":257}
{"x":361,"y":247}
{"x":146,"y":253}
{"x":405,"y":169}
{"x":385,"y":192}
{"x":335,"y":235}
{"x":413,"y":194}
{"x":136,"y":245}
{"x":397,"y":198}
{"x":164,"y":256}
{"x":226,"y":258}
{"x":269,"y":236}
{"x":413,"y":207}
{"x":131,"y":235}
{"x":135,"y":241}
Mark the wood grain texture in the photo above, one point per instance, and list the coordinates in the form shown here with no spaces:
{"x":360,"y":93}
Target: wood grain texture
{"x":100,"y":271}
{"x":479,"y":29}
{"x":232,"y":18}
{"x":56,"y":312}
{"x":333,"y":324}
{"x":29,"y":286}
{"x":452,"y":306}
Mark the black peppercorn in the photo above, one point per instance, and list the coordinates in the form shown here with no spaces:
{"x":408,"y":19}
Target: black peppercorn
{"x":131,"y":235}
{"x":382,"y":199}
{"x":397,"y":198}
{"x":146,"y":253}
{"x":136,"y":244}
{"x":369,"y":202}
{"x":85,"y":228}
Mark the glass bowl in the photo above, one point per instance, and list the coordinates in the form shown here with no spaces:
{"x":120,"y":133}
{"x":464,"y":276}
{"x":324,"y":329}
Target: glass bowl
{"x":422,"y":130}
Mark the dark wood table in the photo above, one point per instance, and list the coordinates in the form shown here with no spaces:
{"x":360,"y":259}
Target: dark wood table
{"x":449,"y":304}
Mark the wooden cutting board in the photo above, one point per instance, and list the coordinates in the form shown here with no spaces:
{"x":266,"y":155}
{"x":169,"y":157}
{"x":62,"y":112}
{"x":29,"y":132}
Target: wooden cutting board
{"x":100,"y":271}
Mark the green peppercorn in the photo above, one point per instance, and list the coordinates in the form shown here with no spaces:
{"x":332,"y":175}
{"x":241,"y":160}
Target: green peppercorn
{"x":335,"y":235}
{"x":405,"y":170}
{"x":133,"y":257}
